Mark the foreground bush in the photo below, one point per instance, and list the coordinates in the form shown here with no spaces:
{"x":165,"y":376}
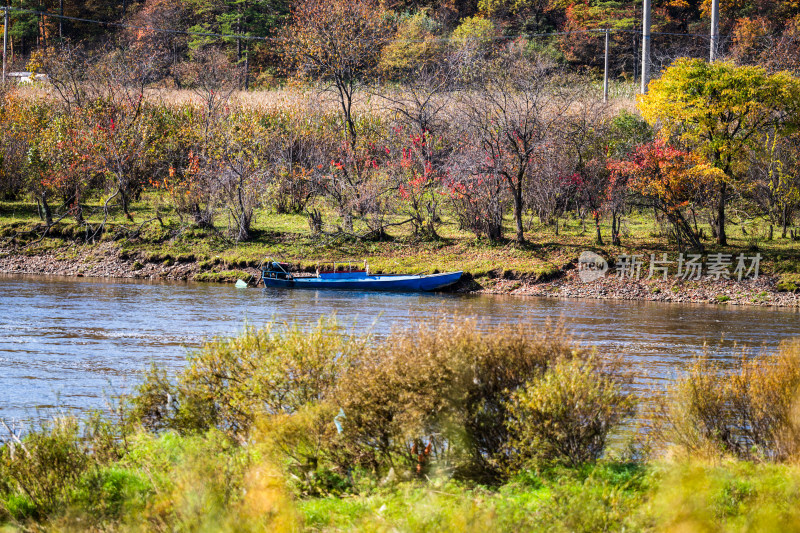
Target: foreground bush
{"x":750,"y":412}
{"x":230,"y":382}
{"x":430,"y":398}
{"x":166,"y":483}
{"x":566,"y":415}
{"x":438,"y":397}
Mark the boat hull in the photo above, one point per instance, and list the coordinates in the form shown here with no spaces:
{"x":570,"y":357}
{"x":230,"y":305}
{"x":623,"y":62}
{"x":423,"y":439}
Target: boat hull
{"x":432,"y":282}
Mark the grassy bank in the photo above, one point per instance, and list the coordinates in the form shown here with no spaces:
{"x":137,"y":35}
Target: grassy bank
{"x":436,"y":428}
{"x":166,"y":244}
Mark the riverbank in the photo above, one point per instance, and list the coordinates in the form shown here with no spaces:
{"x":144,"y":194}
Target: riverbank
{"x":109,"y":260}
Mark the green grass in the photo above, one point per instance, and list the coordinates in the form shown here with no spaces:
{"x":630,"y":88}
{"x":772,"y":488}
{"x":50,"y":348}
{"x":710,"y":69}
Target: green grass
{"x":598,"y":498}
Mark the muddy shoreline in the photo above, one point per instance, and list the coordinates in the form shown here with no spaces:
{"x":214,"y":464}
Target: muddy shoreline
{"x":105,"y":261}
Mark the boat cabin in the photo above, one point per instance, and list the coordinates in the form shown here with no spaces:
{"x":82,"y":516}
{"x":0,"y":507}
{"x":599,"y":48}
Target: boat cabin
{"x":275,"y":270}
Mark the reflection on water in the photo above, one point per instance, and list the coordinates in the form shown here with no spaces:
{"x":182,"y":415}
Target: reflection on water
{"x":70,"y":343}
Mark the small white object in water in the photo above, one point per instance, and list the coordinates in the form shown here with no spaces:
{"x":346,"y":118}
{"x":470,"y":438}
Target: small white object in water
{"x":241,"y":284}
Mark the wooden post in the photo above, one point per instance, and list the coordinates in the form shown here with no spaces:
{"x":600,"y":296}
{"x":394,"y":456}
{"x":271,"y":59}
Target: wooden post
{"x":645,"y":45}
{"x":714,"y":30}
{"x":605,"y":73}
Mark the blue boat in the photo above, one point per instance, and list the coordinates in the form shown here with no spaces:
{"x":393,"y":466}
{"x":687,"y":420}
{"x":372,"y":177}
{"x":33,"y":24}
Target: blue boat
{"x":346,"y":277}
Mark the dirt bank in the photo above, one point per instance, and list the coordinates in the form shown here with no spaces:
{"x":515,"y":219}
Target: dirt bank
{"x":761,"y":291}
{"x":105,"y":260}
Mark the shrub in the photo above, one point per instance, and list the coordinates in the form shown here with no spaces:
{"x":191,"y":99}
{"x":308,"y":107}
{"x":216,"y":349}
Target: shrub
{"x":566,"y":415}
{"x":475,"y":31}
{"x":416,"y":44}
{"x":230,"y":382}
{"x":151,"y":405}
{"x":309,"y":447}
{"x":37,"y":473}
{"x":750,"y":412}
{"x":437,"y":396}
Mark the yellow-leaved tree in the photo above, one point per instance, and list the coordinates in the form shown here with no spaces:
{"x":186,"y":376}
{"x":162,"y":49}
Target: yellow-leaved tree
{"x":722,"y":112}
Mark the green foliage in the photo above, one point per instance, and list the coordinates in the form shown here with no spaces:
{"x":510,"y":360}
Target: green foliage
{"x":732,"y":496}
{"x":628,"y":130}
{"x":789,"y":283}
{"x":226,"y":276}
{"x":416,"y":45}
{"x":229,"y":17}
{"x":475,"y":32}
{"x":111,"y":492}
{"x":566,"y":415}
{"x":38,"y":473}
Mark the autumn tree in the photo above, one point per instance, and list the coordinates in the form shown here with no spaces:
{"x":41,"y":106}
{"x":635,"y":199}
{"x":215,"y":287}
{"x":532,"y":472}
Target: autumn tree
{"x":339,"y":43}
{"x":102,"y":91}
{"x":300,"y":158}
{"x":672,"y":179}
{"x":515,"y":106}
{"x":61,"y":166}
{"x":757,"y":41}
{"x":478,"y":199}
{"x":528,"y":15}
{"x":167,"y":48}
{"x":21,"y":120}
{"x":417,"y":172}
{"x":241,"y":148}
{"x":419,"y":138}
{"x":194,"y":174}
{"x":774,"y":173}
{"x":417,"y":45}
{"x":605,"y":191}
{"x":721,"y":112}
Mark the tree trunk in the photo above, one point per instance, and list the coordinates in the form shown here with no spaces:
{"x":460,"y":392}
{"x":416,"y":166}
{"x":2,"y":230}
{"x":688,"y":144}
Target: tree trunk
{"x":597,"y":226}
{"x":48,"y":214}
{"x":78,"y":212}
{"x":722,"y":238}
{"x":518,"y":215}
{"x":125,"y":207}
{"x":785,"y":222}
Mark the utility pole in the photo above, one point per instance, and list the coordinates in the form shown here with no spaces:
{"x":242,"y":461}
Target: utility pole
{"x":60,"y":19}
{"x":645,"y":45}
{"x":5,"y":40}
{"x":605,"y":73}
{"x":714,"y":30}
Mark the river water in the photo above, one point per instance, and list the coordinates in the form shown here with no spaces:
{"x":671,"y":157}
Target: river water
{"x":70,"y":344}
